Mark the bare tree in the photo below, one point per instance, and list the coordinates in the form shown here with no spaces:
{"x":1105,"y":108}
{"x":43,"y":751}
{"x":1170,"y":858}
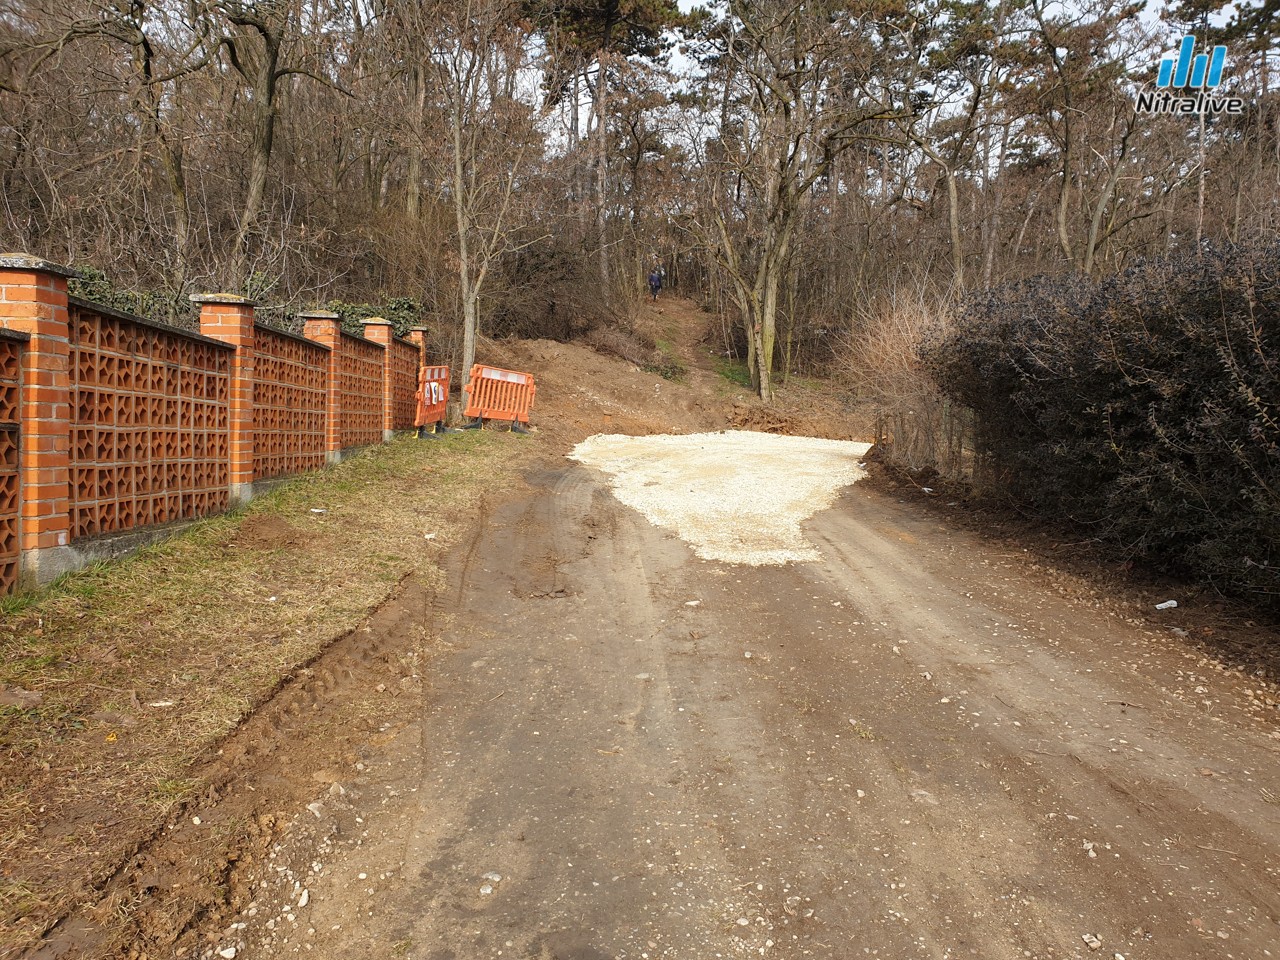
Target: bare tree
{"x":794,"y":92}
{"x":478,"y":61}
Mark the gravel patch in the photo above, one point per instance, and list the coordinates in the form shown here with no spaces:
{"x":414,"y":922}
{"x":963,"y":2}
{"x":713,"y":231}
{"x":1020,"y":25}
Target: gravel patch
{"x":735,"y":496}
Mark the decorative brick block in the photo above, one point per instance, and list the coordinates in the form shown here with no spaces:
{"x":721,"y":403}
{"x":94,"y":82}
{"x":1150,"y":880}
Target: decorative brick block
{"x":10,"y":486}
{"x":289,"y":399}
{"x":361,"y":384}
{"x":322,"y":327}
{"x":150,"y":412}
{"x":405,"y":359}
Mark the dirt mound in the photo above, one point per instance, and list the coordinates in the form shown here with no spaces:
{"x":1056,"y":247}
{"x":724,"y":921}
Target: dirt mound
{"x":264,"y":531}
{"x":582,"y":392}
{"x":745,"y":417}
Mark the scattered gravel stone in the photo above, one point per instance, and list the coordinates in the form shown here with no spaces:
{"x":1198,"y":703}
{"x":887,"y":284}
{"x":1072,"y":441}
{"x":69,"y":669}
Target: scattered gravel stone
{"x":735,"y":496}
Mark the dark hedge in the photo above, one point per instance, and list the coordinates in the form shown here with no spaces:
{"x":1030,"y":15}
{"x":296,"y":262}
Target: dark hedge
{"x":1144,"y":407}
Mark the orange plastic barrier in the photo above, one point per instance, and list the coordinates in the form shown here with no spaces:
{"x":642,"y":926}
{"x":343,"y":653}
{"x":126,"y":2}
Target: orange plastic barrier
{"x":497,"y":394}
{"x":433,"y":395}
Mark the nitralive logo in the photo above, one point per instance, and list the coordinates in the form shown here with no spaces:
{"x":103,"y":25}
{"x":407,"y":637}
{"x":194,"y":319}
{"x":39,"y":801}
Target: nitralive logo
{"x":1192,"y":77}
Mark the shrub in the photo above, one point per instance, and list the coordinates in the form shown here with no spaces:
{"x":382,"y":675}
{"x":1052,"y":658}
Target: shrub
{"x":1144,"y":406}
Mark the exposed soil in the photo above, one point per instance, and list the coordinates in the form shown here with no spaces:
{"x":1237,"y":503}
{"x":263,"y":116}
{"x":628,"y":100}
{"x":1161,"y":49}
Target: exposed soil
{"x":588,"y":743}
{"x":265,"y":531}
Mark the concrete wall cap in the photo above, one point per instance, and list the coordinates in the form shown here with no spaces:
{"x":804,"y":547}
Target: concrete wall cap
{"x":25,"y":261}
{"x":377,"y":320}
{"x":317,"y":315}
{"x":229,"y":299}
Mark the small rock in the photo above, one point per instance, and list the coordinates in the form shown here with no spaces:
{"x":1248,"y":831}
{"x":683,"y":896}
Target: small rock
{"x":304,"y":899}
{"x":693,"y":603}
{"x":227,"y":953}
{"x":642,"y":676}
{"x":743,"y":922}
{"x":1167,"y":605}
{"x":486,"y":890}
{"x":861,"y":794}
{"x":316,"y":808}
{"x":337,"y":790}
{"x":1091,"y":940}
{"x":924,"y":796}
{"x":492,"y":877}
{"x":747,"y":654}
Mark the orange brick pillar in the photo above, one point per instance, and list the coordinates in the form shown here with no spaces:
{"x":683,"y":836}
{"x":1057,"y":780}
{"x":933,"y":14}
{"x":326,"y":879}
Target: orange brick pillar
{"x":418,"y":337}
{"x":34,"y":302}
{"x":226,"y":317}
{"x":379,"y":331}
{"x":323,"y":327}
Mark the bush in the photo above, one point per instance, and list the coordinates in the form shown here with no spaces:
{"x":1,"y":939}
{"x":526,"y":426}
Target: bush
{"x":1145,"y":406}
{"x":93,"y":284}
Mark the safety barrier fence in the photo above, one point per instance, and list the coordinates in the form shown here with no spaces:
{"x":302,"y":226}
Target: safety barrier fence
{"x":112,"y":425}
{"x":497,"y":394}
{"x":433,"y":396}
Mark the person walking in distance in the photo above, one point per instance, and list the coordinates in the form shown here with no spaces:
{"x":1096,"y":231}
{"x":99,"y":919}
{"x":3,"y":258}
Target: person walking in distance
{"x":655,"y":283}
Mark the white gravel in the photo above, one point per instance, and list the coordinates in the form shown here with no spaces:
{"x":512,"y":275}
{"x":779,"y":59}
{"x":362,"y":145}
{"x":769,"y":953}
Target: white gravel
{"x":735,"y":496}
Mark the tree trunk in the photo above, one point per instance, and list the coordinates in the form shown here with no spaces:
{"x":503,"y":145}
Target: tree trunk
{"x":264,"y":128}
{"x":1200,"y":185}
{"x":602,"y":169}
{"x":953,"y":212}
{"x":413,"y":189}
{"x":1064,"y":201}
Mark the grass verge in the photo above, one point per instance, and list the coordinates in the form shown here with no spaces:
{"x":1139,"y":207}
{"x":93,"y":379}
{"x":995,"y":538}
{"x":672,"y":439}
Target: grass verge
{"x":735,"y":371}
{"x":123,"y":676}
{"x":666,"y":363}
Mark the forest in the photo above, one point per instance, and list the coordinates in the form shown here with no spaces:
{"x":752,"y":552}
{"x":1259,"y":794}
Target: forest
{"x":921,"y":199}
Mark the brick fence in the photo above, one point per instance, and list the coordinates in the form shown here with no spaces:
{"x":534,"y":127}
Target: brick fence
{"x":114,"y":427}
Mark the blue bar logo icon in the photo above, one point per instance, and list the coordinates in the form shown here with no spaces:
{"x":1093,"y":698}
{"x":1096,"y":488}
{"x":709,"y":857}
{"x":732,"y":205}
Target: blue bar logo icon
{"x":1199,"y":71}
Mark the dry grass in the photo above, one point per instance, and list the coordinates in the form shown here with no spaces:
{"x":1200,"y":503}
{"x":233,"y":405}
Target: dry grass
{"x":143,"y":665}
{"x":914,"y":422}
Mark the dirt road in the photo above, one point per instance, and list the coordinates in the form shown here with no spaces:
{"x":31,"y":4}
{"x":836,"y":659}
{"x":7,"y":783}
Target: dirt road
{"x":915,"y":746}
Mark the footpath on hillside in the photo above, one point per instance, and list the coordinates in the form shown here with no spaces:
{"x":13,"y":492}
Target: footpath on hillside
{"x":472,"y":698}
